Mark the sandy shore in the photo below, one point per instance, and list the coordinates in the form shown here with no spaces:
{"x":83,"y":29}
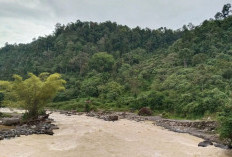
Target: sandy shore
{"x":82,"y":136}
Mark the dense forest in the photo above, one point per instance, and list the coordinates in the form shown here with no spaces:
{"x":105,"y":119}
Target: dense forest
{"x":185,"y":73}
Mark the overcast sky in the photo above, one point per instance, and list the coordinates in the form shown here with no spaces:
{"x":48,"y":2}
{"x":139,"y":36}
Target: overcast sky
{"x":22,"y":20}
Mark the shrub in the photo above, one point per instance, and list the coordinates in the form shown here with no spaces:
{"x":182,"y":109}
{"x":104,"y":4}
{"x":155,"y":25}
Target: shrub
{"x":225,"y":120}
{"x":33,"y":93}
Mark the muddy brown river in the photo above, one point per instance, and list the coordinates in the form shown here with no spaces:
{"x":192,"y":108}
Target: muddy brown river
{"x":82,"y":136}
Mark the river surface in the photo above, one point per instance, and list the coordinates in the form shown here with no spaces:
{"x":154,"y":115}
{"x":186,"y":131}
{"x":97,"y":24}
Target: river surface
{"x":82,"y":136}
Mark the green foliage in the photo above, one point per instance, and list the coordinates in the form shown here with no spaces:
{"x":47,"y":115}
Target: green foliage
{"x":225,"y":128}
{"x":111,"y":91}
{"x":154,"y":100}
{"x":3,"y":115}
{"x":102,"y":62}
{"x":89,"y":87}
{"x":32,"y":93}
{"x":199,"y":58}
{"x":1,"y":99}
{"x":225,"y":12}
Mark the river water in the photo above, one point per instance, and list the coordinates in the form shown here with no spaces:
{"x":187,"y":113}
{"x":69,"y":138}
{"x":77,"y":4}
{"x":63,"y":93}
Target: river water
{"x":82,"y":136}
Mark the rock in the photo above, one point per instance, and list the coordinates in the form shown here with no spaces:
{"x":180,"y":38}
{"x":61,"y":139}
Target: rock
{"x":145,"y":111}
{"x":48,"y":121}
{"x":54,"y":127}
{"x":205,"y":143}
{"x":63,"y":112}
{"x":113,"y":118}
{"x":42,"y":125}
{"x":33,"y":126}
{"x":109,"y":117}
{"x":91,"y":114}
{"x":49,"y":132}
{"x":221,"y":146}
{"x":10,"y":121}
{"x":74,"y":112}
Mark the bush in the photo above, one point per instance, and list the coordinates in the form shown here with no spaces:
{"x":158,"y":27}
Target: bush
{"x":145,"y":111}
{"x":154,"y":100}
{"x":102,"y":62}
{"x":165,"y":115}
{"x":225,"y":129}
{"x":87,"y":107}
{"x":33,"y":93}
{"x":1,"y":99}
{"x":227,"y":74}
{"x":111,"y":91}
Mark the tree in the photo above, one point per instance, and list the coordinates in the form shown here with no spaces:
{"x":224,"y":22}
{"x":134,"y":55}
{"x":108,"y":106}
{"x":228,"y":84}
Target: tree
{"x":102,"y":62}
{"x":111,"y":91}
{"x":32,"y":93}
{"x":185,"y":55}
{"x":80,"y":61}
{"x":89,"y":86}
{"x":199,"y":58}
{"x":225,"y":12}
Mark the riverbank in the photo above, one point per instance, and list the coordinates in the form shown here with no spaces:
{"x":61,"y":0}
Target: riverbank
{"x":199,"y":128}
{"x":13,"y":126}
{"x":83,"y":136}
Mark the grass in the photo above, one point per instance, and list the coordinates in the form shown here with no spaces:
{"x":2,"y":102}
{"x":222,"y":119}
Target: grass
{"x":3,"y":115}
{"x":82,"y":104}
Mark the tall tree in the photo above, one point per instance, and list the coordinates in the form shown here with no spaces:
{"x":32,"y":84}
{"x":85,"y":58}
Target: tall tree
{"x":224,"y":13}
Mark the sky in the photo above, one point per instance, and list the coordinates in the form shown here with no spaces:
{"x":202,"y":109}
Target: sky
{"x":23,"y":20}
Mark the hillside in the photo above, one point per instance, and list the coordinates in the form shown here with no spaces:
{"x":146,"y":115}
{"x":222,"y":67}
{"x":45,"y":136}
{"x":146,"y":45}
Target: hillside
{"x":184,"y":73}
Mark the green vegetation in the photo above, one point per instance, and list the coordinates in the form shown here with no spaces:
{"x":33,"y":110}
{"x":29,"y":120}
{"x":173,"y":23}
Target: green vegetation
{"x":33,"y":93}
{"x":186,"y":73}
{"x":225,"y":129}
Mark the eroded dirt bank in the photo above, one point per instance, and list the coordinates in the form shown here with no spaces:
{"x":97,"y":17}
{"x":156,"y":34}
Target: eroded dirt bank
{"x":84,"y":136}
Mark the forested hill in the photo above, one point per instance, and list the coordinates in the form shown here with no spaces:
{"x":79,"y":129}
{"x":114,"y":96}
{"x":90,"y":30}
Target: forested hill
{"x":187,"y":72}
{"x":60,"y":51}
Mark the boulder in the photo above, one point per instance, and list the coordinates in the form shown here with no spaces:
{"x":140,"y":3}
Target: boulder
{"x":80,"y":113}
{"x":54,"y":127}
{"x":49,"y":132}
{"x":110,"y":118}
{"x":145,"y":111}
{"x":221,"y":146}
{"x":68,"y":114}
{"x":10,"y":121}
{"x":205,"y":143}
{"x":113,"y":118}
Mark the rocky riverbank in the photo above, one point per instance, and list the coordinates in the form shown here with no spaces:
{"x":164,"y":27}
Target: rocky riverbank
{"x":16,"y":128}
{"x":202,"y":129}
{"x":82,"y":136}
